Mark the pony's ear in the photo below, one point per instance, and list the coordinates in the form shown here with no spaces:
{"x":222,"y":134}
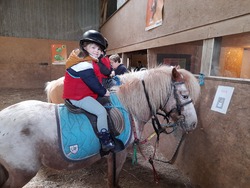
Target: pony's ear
{"x":176,"y":76}
{"x":177,"y":67}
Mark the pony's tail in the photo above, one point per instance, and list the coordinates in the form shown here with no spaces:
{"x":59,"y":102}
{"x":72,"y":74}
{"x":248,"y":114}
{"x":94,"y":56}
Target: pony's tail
{"x":47,"y":90}
{"x":3,"y":175}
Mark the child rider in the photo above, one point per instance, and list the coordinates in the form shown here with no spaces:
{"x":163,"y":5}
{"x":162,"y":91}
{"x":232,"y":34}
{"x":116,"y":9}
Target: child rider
{"x":82,"y":87}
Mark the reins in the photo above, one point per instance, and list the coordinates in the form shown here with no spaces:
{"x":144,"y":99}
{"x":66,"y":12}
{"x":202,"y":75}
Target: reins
{"x":158,"y":128}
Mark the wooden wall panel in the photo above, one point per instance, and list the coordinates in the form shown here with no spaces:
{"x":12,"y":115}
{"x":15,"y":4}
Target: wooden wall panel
{"x":217,"y":152}
{"x":26,"y":63}
{"x":183,"y":21}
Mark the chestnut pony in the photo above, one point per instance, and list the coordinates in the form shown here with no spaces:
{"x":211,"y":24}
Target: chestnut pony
{"x":29,"y":135}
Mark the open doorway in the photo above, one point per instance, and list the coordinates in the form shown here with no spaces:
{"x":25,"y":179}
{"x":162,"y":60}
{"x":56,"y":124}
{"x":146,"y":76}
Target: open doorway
{"x":136,"y":59}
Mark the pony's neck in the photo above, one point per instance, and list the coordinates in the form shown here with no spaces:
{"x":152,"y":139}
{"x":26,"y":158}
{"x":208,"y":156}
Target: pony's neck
{"x":133,"y":97}
{"x":132,"y":92}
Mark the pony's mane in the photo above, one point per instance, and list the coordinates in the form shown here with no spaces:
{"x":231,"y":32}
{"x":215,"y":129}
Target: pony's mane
{"x":49,"y":86}
{"x":158,"y":85}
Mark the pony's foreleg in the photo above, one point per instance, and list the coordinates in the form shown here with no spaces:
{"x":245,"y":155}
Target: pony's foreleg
{"x":3,"y":175}
{"x":115,"y":164}
{"x":14,"y":178}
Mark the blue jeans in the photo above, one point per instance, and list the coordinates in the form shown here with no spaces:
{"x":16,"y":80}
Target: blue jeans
{"x":92,"y":106}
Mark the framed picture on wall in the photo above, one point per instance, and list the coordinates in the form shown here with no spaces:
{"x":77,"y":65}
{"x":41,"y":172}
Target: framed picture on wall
{"x":58,"y":53}
{"x":154,"y":14}
{"x":183,"y":60}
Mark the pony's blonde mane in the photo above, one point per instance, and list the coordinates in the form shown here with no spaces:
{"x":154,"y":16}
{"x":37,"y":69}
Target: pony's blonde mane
{"x":54,"y":91}
{"x":158,"y":85}
{"x":47,"y":90}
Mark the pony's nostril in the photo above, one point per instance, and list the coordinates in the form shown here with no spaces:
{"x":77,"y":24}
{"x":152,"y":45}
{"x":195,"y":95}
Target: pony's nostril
{"x":193,"y":125}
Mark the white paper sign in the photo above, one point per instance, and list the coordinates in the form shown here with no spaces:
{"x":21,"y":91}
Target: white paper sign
{"x":222,"y":99}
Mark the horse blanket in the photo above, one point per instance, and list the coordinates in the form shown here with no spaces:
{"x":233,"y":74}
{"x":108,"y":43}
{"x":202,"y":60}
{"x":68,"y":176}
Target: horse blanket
{"x":78,"y":140}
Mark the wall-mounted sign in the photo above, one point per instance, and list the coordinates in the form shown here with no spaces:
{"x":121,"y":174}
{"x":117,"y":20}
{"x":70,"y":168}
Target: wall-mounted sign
{"x":222,"y":99}
{"x":58,"y":53}
{"x":154,"y":14}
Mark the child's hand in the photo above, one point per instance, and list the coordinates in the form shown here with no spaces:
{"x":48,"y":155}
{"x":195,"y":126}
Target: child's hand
{"x":107,"y":94}
{"x":112,"y":74}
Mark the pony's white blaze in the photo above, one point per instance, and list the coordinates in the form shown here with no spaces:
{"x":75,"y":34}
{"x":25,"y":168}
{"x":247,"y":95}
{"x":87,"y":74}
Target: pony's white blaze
{"x":189,"y":111}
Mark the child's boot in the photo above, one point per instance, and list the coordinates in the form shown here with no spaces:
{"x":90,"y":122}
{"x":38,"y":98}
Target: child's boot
{"x":107,"y":142}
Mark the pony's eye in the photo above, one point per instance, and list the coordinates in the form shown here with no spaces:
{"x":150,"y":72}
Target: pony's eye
{"x":185,"y":96}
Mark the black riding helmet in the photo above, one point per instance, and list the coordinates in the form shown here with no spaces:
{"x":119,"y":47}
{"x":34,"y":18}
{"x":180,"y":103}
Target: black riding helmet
{"x":107,"y":44}
{"x":93,"y":36}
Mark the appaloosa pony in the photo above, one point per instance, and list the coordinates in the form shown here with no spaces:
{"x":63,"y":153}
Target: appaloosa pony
{"x":30,"y":135}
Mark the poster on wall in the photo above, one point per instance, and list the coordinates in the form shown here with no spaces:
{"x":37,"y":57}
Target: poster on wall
{"x":222,"y":99}
{"x":154,"y":14}
{"x":58,"y":53}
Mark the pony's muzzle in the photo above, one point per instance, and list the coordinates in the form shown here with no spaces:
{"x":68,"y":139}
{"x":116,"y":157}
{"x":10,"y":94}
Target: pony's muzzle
{"x":193,"y":125}
{"x":190,"y":127}
{"x":184,"y":125}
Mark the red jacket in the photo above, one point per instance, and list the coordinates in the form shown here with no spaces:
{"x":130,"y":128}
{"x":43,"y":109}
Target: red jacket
{"x":105,"y":67}
{"x":74,"y":87}
{"x":97,"y":71}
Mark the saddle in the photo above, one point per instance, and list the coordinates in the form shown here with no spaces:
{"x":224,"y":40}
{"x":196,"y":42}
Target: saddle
{"x":77,"y":129}
{"x":115,"y":119}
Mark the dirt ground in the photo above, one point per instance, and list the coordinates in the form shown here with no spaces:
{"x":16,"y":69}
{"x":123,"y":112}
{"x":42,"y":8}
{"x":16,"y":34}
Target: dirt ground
{"x":132,"y":176}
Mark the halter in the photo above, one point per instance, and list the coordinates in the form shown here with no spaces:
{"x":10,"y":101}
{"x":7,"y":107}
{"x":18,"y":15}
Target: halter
{"x":178,"y":102}
{"x":181,"y":118}
{"x":159,"y":129}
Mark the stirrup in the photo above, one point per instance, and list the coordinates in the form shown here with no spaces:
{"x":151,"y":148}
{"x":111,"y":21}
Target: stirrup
{"x":107,"y":144}
{"x":119,"y":146}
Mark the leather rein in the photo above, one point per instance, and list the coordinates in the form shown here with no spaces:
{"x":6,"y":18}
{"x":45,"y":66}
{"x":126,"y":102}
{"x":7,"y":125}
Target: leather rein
{"x":160,"y":128}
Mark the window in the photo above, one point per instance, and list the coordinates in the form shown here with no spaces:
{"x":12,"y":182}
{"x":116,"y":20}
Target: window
{"x":183,"y":60}
{"x":233,"y":57}
{"x":186,"y":55}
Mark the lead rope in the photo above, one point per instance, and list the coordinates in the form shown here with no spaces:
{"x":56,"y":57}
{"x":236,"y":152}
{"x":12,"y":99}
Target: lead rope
{"x":136,"y":142}
{"x":134,"y":159}
{"x":136,"y":145}
{"x":173,"y":157}
{"x":150,"y":160}
{"x":157,"y":132}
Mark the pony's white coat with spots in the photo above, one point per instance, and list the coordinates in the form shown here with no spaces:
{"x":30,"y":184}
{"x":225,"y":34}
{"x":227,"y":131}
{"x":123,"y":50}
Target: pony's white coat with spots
{"x":28,"y":130}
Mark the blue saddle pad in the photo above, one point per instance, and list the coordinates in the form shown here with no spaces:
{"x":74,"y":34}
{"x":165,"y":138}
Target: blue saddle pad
{"x":78,"y":140}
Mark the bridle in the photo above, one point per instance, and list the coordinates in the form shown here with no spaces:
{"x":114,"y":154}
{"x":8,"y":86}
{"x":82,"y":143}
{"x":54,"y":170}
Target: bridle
{"x":179,"y":105}
{"x":158,"y":127}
